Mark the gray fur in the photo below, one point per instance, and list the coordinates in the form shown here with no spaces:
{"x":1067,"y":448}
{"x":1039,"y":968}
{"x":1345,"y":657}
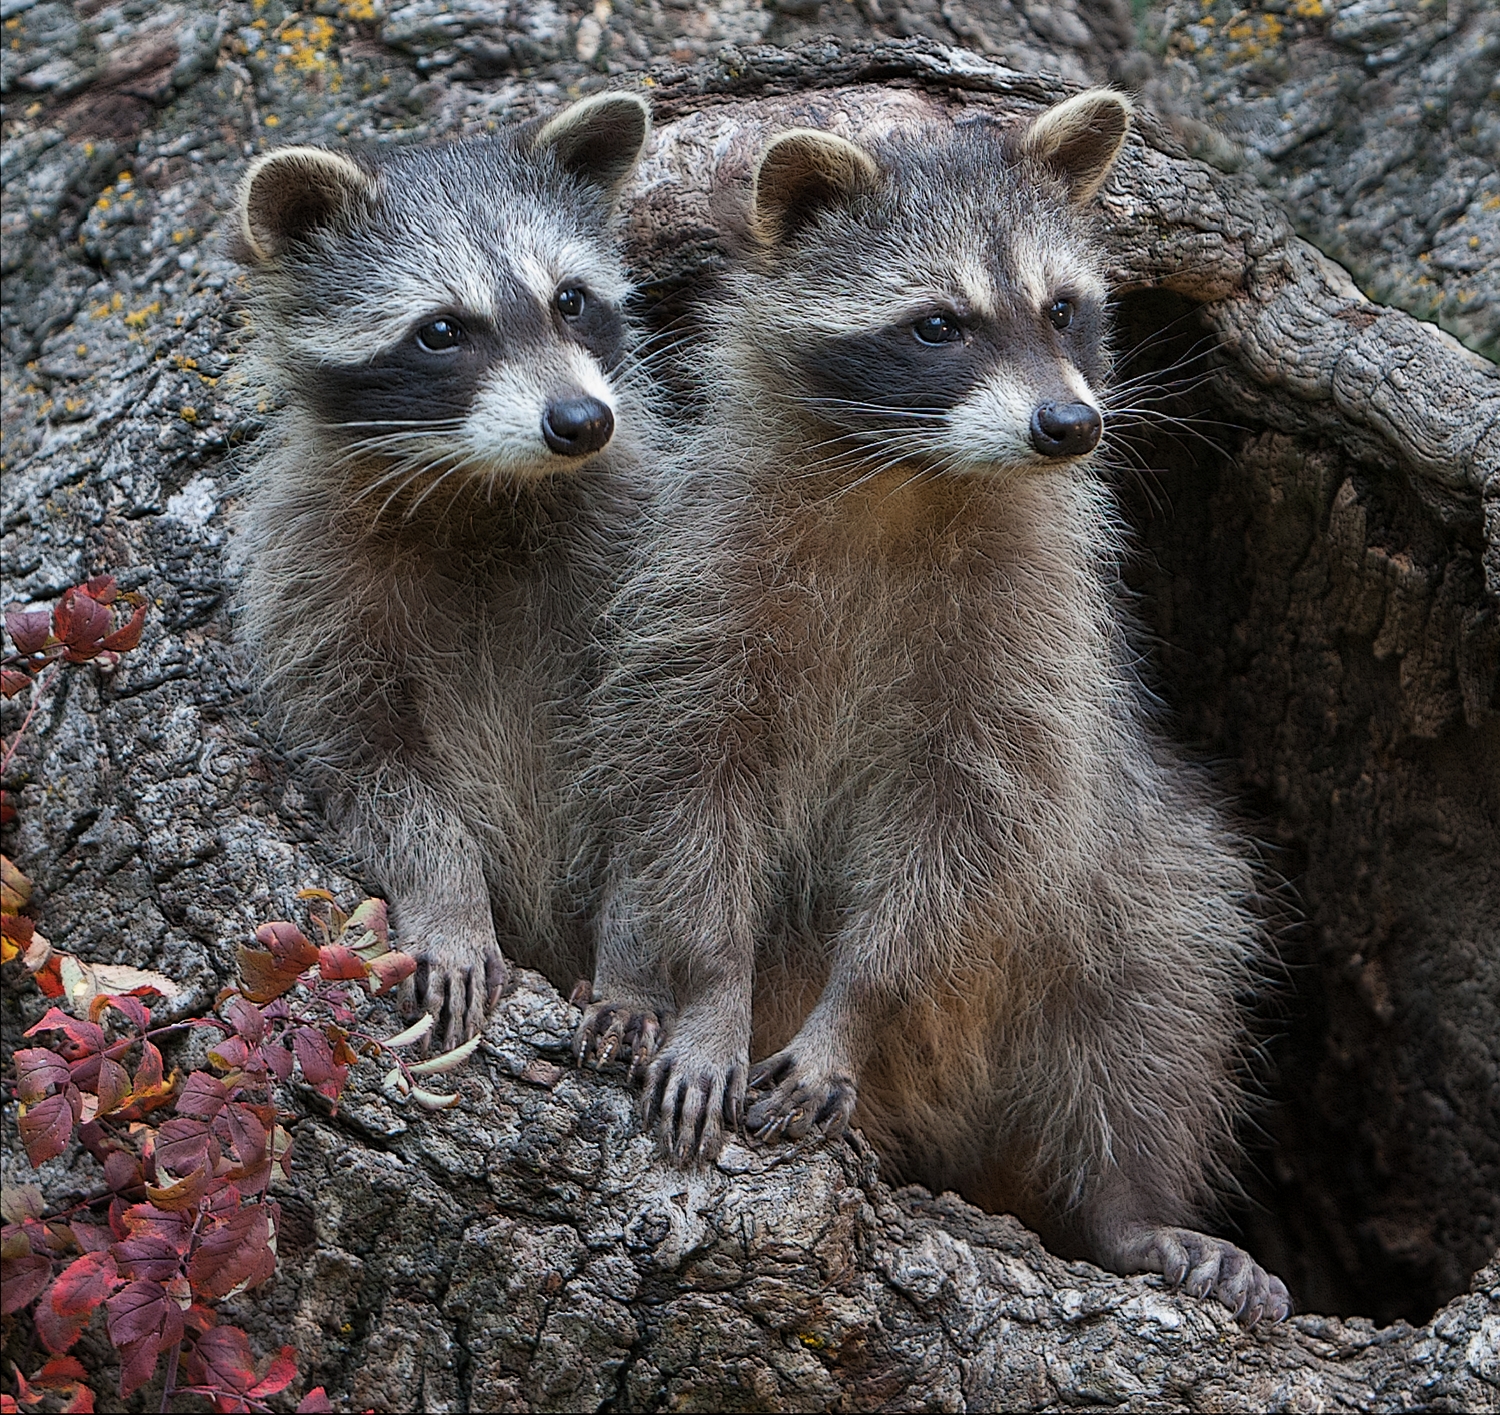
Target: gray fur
{"x":423,"y":596}
{"x":878,"y":790}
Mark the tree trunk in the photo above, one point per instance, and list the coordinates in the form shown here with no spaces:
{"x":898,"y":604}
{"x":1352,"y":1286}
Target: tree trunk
{"x":1317,"y":501}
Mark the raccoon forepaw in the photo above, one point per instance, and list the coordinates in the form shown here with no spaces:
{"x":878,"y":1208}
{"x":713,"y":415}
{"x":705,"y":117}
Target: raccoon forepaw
{"x":799,"y":1100}
{"x":693,"y":1100}
{"x":610,"y":1030}
{"x":1214,"y":1267}
{"x":460,"y":994}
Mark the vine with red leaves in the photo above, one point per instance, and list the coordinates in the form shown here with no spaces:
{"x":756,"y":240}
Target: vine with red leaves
{"x":183,"y":1217}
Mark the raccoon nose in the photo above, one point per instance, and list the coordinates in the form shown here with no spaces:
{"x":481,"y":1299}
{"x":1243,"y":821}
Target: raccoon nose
{"x":577,"y":426}
{"x":1065,"y":429}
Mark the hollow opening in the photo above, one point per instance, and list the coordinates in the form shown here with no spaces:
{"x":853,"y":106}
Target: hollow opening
{"x":1269,"y":630}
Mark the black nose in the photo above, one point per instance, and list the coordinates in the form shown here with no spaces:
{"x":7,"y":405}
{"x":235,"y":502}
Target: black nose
{"x":1065,"y":429}
{"x":577,"y":426}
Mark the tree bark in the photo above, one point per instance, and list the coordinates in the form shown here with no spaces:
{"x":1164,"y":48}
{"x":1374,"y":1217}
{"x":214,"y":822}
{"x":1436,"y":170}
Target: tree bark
{"x":1317,"y":499}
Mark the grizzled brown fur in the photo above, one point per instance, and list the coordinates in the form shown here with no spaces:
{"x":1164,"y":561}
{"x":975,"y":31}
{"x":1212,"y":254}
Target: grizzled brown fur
{"x":880,"y":798}
{"x":439,"y":512}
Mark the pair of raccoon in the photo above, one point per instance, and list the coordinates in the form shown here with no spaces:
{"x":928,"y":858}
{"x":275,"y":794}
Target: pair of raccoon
{"x":823,"y":705}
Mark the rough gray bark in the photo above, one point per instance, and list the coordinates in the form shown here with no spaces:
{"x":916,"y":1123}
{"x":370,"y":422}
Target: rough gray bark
{"x":1322,"y":577}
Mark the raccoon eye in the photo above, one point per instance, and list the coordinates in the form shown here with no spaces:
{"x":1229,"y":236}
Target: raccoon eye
{"x":937,"y":329}
{"x":439,"y":334}
{"x":569,"y":303}
{"x":1060,"y":313}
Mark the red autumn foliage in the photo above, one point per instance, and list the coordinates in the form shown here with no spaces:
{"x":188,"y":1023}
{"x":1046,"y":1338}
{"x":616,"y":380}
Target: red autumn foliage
{"x":188,"y":1218}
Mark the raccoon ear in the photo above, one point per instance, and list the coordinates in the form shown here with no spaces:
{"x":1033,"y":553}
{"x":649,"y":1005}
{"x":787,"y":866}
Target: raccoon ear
{"x":288,"y":194}
{"x":599,"y":139}
{"x":1080,"y":138}
{"x":803,"y":172}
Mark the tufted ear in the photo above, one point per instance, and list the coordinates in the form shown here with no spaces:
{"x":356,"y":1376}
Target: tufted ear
{"x":599,"y":140}
{"x":1080,"y":138}
{"x":292,"y":192}
{"x":801,"y":173}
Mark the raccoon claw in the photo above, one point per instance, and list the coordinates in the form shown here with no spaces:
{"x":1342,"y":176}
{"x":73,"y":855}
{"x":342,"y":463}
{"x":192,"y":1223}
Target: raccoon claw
{"x":611,"y":1029}
{"x":692,"y":1103}
{"x":460,"y":996}
{"x":798,"y":1104}
{"x":1213,"y":1267}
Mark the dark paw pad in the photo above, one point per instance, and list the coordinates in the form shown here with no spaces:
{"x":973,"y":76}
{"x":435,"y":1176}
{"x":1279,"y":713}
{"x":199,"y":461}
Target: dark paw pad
{"x":693,"y":1104}
{"x":794,"y":1103}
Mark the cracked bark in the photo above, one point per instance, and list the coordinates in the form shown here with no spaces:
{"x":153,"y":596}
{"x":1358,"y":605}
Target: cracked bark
{"x":1320,"y":567}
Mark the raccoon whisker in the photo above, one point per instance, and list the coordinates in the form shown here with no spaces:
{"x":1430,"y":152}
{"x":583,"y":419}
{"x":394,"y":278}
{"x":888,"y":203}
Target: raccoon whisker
{"x":883,"y":410}
{"x":433,"y":486}
{"x":450,"y":424}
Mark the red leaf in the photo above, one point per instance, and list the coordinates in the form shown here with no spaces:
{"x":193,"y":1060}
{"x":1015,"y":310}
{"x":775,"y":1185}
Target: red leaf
{"x":121,"y":1170}
{"x":279,"y":1375}
{"x":279,"y":1059}
{"x":221,"y":1357}
{"x":202,"y":1097}
{"x":81,"y":623}
{"x":314,"y":1054}
{"x":102,"y":588}
{"x":176,"y":1229}
{"x":288,"y":945}
{"x":17,"y":928}
{"x":87,"y":1037}
{"x":261,"y":978}
{"x":391,"y":970}
{"x":128,"y":635}
{"x":46,"y":1129}
{"x":56,"y":1332}
{"x":337,"y":964}
{"x":12,"y":682}
{"x":184,"y":1144}
{"x":113,"y":1086}
{"x":84,"y":1284}
{"x":315,"y":1402}
{"x":247,"y":1020}
{"x":8,"y":1404}
{"x":138,"y":1363}
{"x":22,"y":1280}
{"x":248,"y":1129}
{"x":82,"y":1402}
{"x":48,"y":977}
{"x":233,"y":1252}
{"x":132,"y":1007}
{"x":144,"y":1309}
{"x":147,"y":1257}
{"x":60,"y":1372}
{"x":28,"y":629}
{"x":90,"y":1236}
{"x":38,"y":1069}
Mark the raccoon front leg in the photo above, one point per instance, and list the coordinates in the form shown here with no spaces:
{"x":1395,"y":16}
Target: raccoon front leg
{"x":630,"y":997}
{"x":431,"y":869}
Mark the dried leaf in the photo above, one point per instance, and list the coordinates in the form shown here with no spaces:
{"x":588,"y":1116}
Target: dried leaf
{"x":132,"y":1007}
{"x":181,"y":1195}
{"x":315,"y":1402}
{"x":432,"y":1100}
{"x":128,"y":635}
{"x":371,"y":915}
{"x":448,"y":1060}
{"x":262,"y":978}
{"x":414,"y":1033}
{"x":102,"y":588}
{"x":19,"y":1202}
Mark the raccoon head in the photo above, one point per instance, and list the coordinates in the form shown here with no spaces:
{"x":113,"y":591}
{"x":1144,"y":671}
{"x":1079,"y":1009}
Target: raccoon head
{"x":940,"y":299}
{"x":454,"y":308}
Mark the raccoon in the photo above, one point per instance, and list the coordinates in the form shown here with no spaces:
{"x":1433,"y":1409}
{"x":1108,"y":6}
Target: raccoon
{"x":440,"y":513}
{"x":884,"y":801}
